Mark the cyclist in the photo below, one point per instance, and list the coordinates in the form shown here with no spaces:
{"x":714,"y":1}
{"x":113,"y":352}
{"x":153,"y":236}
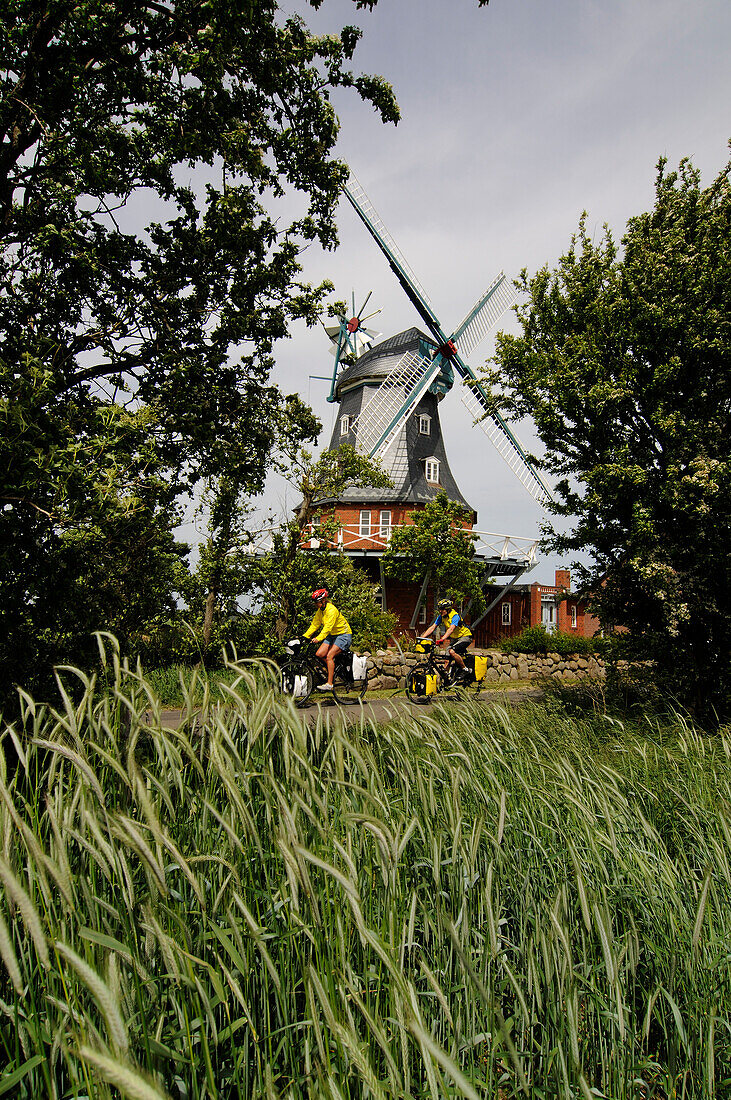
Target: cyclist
{"x":334,"y":633}
{"x":454,"y":628}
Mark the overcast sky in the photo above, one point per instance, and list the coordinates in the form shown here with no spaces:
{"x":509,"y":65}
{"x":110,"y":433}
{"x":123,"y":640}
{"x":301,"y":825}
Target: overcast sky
{"x":516,"y":118}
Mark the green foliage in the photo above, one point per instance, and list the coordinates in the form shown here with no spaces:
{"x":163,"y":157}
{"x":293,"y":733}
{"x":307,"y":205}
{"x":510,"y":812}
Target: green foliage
{"x":283,"y":579}
{"x":147,"y":272}
{"x":86,"y":521}
{"x":251,"y":905}
{"x":350,"y":588}
{"x":624,"y":365}
{"x":536,"y":639}
{"x":171,"y":684}
{"x":435,"y":542}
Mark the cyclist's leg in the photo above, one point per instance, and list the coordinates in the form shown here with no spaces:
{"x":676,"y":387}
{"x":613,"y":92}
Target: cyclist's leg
{"x":330,"y":649}
{"x":457,"y":653}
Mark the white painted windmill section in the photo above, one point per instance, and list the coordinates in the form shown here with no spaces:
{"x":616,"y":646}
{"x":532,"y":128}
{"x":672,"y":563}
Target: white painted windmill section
{"x":504,"y":446}
{"x":392,"y":403}
{"x":369,"y":211}
{"x":498,"y":297}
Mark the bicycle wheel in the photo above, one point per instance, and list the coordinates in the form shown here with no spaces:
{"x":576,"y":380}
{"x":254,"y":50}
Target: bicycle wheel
{"x":458,"y":685}
{"x":346,"y":689}
{"x":417,"y":683}
{"x":296,"y":679}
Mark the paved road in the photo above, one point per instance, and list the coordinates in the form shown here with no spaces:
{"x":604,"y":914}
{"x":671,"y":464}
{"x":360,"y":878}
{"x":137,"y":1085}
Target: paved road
{"x":379,"y":710}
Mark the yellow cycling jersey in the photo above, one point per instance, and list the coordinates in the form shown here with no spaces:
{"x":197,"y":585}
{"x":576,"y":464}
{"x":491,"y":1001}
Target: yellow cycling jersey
{"x":328,"y":621}
{"x":447,"y":619}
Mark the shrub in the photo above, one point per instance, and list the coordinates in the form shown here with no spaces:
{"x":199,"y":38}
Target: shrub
{"x":536,"y":639}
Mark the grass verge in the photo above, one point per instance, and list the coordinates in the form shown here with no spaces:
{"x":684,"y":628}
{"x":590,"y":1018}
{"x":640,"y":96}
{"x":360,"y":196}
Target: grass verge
{"x":470,"y":902}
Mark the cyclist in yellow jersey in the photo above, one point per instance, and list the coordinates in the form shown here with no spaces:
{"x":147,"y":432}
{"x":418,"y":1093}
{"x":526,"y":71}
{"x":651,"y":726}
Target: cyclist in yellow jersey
{"x":334,"y":633}
{"x":454,"y":629}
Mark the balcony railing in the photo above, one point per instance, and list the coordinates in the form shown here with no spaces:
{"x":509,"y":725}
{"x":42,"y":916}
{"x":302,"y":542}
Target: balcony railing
{"x":486,"y":543}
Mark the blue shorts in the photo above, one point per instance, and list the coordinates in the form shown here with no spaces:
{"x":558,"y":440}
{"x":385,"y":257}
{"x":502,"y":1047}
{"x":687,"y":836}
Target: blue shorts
{"x":342,"y":641}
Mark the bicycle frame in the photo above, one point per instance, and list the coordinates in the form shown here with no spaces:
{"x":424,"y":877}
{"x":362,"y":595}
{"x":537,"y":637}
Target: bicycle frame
{"x":303,"y":671}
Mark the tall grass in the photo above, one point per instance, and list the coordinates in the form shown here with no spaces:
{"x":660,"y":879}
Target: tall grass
{"x":466,"y":903}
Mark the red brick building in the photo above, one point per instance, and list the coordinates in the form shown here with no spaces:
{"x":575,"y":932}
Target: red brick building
{"x":522,"y":605}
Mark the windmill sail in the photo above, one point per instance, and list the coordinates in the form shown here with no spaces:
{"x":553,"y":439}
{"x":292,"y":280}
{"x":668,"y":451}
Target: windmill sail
{"x":389,"y":408}
{"x":374,"y":224}
{"x":498,"y":297}
{"x":395,"y":404}
{"x":505,"y":442}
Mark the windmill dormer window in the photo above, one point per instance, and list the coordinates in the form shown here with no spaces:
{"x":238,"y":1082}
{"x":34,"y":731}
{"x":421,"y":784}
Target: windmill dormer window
{"x":431,"y":470}
{"x":424,"y":424}
{"x":345,"y":423}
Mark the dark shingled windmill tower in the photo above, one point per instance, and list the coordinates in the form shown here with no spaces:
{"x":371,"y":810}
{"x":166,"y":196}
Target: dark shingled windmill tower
{"x":416,"y":459}
{"x":389,"y":409}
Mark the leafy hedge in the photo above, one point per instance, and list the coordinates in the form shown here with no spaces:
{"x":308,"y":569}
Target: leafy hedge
{"x":536,"y":639}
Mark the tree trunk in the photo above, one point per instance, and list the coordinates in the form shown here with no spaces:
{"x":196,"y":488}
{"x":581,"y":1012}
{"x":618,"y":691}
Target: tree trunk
{"x":208,"y":616}
{"x":296,"y":534}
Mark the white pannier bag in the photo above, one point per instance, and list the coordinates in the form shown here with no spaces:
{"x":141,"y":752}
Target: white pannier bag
{"x":360,"y":667}
{"x":300,"y":687}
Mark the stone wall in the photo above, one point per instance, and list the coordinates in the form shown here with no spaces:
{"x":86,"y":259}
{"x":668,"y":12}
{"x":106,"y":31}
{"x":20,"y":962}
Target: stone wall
{"x":387,"y":667}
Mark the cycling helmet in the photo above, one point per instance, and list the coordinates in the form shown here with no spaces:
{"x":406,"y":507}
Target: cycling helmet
{"x":320,"y":594}
{"x":444,"y":605}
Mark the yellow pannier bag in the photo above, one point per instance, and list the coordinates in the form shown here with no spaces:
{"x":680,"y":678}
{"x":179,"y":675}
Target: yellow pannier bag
{"x":480,"y":667}
{"x":431,"y":684}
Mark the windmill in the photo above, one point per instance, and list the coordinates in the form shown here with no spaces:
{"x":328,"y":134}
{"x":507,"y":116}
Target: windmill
{"x":431,"y":367}
{"x":350,"y":338}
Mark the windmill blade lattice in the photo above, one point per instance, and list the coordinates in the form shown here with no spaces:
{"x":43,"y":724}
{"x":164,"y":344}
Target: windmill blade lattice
{"x":366,"y":211}
{"x":498,"y":297}
{"x":489,"y":307}
{"x":505,"y":443}
{"x":384,"y":416}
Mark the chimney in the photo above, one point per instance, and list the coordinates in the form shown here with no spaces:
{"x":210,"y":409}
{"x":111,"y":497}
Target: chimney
{"x":563,"y":579}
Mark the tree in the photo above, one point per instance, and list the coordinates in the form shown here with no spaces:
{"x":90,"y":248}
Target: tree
{"x":86,"y":528}
{"x":624,"y":365}
{"x":224,"y":559}
{"x":436,"y":544}
{"x":320,"y":482}
{"x":146,"y":266}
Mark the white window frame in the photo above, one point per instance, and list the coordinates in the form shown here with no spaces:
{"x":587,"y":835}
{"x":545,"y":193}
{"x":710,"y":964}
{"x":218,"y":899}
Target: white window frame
{"x":574,"y":617}
{"x":365,"y":524}
{"x":424,"y":424}
{"x":431,"y":470}
{"x":345,"y":424}
{"x":507,"y":613}
{"x":549,"y":614}
{"x":422,"y":615}
{"x":385,"y":524}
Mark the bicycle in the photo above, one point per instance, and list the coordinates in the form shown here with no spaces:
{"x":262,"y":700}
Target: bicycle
{"x":440,"y":673}
{"x":301,"y":674}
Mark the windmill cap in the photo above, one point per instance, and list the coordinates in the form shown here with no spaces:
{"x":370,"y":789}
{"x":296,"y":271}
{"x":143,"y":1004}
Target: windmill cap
{"x":377,"y":362}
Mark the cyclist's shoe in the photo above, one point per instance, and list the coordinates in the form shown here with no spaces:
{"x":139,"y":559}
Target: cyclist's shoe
{"x":324,"y":687}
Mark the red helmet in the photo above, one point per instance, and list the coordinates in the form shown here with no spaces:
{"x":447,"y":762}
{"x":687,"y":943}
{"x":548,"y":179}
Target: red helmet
{"x":320,"y":594}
